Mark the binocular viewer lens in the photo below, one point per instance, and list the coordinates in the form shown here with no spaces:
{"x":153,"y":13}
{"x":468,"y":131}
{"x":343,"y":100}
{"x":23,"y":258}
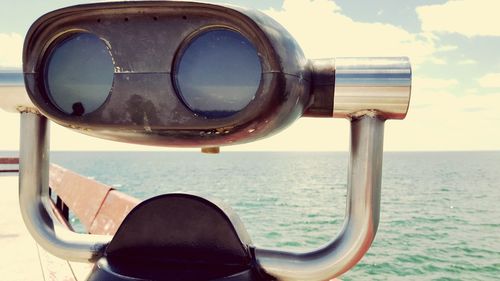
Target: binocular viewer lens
{"x":79,"y":74}
{"x":218,"y":73}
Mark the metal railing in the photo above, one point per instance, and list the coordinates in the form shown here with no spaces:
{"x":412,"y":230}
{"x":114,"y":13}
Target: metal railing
{"x":99,"y":207}
{"x":11,"y":165}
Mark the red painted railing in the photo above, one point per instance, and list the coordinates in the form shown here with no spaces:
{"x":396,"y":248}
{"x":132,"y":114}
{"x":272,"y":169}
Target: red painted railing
{"x":9,"y":161}
{"x":99,"y":207}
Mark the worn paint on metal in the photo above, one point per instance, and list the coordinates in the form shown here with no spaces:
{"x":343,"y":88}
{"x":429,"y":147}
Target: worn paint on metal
{"x":82,"y":195}
{"x":99,"y":208}
{"x":113,"y":211}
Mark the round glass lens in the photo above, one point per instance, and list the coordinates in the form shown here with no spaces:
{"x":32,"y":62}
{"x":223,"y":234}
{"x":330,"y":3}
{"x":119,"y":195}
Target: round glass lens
{"x":219,"y":73}
{"x":79,"y":74}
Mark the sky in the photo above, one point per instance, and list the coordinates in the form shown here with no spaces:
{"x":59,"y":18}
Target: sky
{"x":454,"y":48}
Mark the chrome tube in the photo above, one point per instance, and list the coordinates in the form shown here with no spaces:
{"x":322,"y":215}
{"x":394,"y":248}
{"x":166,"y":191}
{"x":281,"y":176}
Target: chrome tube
{"x":361,"y":220}
{"x":34,"y":198}
{"x":382,"y":85}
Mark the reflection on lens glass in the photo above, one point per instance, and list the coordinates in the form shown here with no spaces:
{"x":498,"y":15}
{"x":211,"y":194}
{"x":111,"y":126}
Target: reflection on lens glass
{"x":218,"y":74}
{"x":79,"y":74}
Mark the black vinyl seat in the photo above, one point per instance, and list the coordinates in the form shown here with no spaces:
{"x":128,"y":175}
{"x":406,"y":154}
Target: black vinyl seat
{"x":179,"y":237}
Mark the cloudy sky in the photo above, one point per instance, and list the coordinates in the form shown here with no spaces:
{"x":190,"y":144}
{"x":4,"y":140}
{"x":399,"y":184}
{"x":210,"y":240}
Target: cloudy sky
{"x":454,"y":47}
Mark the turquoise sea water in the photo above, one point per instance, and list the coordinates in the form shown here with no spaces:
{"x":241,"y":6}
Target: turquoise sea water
{"x":440,"y":215}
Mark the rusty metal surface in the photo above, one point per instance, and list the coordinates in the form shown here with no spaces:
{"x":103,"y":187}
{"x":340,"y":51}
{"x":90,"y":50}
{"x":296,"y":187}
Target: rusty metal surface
{"x":114,"y":209}
{"x":82,"y":195}
{"x":210,"y":150}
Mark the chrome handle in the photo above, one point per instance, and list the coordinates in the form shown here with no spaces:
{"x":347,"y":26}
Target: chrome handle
{"x":367,"y":91}
{"x":362,"y":214}
{"x":34,"y":197}
{"x":372,"y":85}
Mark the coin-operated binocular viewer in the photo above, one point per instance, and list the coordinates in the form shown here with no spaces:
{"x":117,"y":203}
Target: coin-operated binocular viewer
{"x":196,"y":75}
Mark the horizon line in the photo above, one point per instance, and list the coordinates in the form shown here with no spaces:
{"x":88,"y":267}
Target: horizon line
{"x":181,"y":150}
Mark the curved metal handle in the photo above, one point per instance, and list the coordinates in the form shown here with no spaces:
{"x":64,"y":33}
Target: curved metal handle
{"x":362,"y":214}
{"x":367,"y":91}
{"x":34,"y":195}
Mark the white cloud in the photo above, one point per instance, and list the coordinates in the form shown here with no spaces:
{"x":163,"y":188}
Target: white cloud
{"x":432,"y":83}
{"x":467,"y":62}
{"x":439,"y":61}
{"x":466,"y":17}
{"x":323,"y":31}
{"x":448,"y":123}
{"x":440,"y":120}
{"x":471,"y":91}
{"x":10,"y":131}
{"x":491,"y":80}
{"x":11,"y":48}
{"x":446,"y":48}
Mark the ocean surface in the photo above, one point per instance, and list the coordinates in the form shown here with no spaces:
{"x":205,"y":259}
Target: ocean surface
{"x":440,"y":215}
